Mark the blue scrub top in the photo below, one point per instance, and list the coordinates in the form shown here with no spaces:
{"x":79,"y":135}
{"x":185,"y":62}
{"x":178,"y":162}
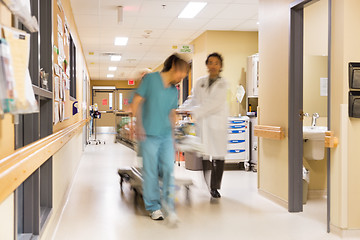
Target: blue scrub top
{"x":158,"y":103}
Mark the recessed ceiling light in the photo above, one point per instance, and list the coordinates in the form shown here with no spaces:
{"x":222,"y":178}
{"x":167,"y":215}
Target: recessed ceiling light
{"x":192,"y":9}
{"x":110,"y":75}
{"x":115,"y":58}
{"x":257,"y":23}
{"x":112,"y":69}
{"x":121,"y":41}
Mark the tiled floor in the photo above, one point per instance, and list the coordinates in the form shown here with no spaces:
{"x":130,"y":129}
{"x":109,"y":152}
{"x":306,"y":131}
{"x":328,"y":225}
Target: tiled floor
{"x":97,"y":210}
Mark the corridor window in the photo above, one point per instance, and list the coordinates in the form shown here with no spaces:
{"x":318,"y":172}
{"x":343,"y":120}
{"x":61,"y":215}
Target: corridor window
{"x":120,"y":101}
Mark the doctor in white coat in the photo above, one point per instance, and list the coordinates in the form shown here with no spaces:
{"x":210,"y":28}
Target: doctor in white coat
{"x":210,"y":112}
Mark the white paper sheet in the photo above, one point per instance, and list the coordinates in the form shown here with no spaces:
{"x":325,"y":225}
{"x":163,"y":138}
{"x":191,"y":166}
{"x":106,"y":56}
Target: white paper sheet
{"x":63,"y":111}
{"x":60,"y":62}
{"x":57,"y":69}
{"x":240,"y":93}
{"x":323,"y":87}
{"x":67,"y":83}
{"x":61,"y":46}
{"x":56,"y":112}
{"x":57,"y":88}
{"x":60,"y":25}
{"x":64,"y":89}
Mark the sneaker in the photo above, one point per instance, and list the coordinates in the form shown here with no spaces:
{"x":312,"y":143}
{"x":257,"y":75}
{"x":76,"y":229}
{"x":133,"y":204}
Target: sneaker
{"x":157,"y":215}
{"x":172,"y":220}
{"x":215,"y":194}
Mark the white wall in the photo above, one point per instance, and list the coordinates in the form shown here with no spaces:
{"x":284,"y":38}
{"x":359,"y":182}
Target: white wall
{"x":65,"y":165}
{"x":235,"y":47}
{"x":7,"y":218}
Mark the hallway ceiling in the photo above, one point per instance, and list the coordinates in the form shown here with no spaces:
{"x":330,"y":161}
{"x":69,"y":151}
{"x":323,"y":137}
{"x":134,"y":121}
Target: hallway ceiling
{"x":152,"y":30}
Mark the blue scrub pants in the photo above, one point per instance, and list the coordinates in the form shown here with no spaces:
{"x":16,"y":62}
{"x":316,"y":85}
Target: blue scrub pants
{"x":158,"y":160}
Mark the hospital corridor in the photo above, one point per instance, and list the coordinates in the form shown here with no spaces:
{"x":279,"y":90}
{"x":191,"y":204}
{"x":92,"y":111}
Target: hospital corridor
{"x":179,"y":119}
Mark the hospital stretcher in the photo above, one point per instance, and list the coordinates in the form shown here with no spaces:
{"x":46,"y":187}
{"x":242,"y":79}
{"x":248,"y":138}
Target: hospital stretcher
{"x":133,"y":176}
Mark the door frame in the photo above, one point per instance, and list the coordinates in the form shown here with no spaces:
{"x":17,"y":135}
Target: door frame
{"x":295,"y":133}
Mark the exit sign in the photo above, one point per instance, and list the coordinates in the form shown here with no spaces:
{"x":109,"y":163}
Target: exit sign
{"x":185,"y":48}
{"x":131,"y":82}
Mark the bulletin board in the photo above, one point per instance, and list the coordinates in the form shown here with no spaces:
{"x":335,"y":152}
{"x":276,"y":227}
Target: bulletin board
{"x":61,"y":67}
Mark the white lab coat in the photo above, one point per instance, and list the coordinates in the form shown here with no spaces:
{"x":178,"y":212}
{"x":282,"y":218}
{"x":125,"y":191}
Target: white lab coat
{"x":210,"y":110}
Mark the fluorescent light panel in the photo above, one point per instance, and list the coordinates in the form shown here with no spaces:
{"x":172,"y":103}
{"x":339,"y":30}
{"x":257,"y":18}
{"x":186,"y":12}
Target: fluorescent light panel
{"x":115,"y":58}
{"x":192,"y":9}
{"x":110,"y":75}
{"x":121,"y":41}
{"x":112,"y":69}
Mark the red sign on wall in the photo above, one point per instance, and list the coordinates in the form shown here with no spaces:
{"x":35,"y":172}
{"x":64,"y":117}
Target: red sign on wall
{"x":104,"y":101}
{"x":131,"y":82}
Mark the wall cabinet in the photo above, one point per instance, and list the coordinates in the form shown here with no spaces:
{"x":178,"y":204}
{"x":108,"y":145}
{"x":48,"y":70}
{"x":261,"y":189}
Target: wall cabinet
{"x":252,"y":76}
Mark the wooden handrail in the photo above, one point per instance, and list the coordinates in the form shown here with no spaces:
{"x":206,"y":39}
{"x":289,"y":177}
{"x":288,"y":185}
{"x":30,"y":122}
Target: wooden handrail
{"x":269,"y":132}
{"x":330,"y":140}
{"x":17,"y":167}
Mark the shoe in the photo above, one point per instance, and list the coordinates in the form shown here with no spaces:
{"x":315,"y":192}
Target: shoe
{"x":172,"y":220}
{"x":215,"y":194}
{"x":157,"y":215}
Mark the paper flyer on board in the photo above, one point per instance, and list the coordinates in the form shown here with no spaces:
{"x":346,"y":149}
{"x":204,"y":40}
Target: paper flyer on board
{"x":56,"y":112}
{"x":56,"y":88}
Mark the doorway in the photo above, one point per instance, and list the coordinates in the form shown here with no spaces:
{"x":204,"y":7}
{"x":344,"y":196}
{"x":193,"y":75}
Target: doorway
{"x":304,"y":58}
{"x":109,"y":102}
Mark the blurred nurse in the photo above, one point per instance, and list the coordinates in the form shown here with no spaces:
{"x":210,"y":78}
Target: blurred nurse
{"x":158,"y":98}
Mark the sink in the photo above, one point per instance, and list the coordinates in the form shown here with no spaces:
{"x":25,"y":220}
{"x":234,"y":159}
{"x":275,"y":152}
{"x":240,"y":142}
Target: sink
{"x":314,"y":144}
{"x":314,"y":133}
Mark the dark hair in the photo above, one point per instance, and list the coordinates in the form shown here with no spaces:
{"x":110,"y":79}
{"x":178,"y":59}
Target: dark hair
{"x":174,"y":61}
{"x":217,"y":55}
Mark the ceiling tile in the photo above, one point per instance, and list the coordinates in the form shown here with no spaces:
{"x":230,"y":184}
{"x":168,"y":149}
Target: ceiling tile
{"x":238,"y":11}
{"x":246,"y":1}
{"x":248,"y":25}
{"x":97,"y":25}
{"x":156,"y":9}
{"x":188,"y":24}
{"x":85,"y":6}
{"x":146,"y":33}
{"x":222,"y":24}
{"x":153,"y":23}
{"x":177,"y":34}
{"x":211,"y":10}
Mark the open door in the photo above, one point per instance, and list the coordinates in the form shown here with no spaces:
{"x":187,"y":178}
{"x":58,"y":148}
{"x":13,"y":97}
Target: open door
{"x":296,"y":113}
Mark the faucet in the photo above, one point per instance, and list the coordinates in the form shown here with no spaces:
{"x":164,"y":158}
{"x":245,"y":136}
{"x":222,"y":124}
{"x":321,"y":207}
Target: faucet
{"x":314,"y":117}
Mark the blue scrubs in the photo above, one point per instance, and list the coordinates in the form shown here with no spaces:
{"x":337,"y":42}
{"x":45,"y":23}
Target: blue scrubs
{"x":158,"y":148}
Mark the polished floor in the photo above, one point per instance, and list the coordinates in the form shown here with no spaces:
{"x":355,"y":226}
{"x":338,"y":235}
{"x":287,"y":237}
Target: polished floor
{"x":96,"y":209}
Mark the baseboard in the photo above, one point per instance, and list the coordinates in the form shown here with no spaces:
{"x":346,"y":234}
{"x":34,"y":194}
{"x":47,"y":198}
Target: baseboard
{"x":274,"y":198}
{"x":345,"y":233}
{"x":317,"y":194}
